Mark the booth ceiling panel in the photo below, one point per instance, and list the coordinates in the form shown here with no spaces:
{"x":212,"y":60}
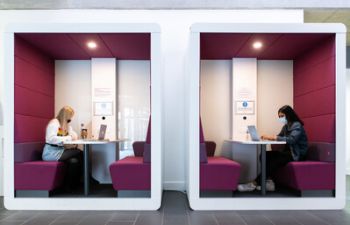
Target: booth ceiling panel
{"x":74,"y":46}
{"x":275,"y":46}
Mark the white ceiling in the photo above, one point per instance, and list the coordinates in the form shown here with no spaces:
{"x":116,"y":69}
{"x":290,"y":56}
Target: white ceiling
{"x":329,"y":16}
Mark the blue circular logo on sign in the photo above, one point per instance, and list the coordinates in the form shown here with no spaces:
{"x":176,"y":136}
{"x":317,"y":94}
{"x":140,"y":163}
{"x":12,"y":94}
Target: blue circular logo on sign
{"x":245,"y":104}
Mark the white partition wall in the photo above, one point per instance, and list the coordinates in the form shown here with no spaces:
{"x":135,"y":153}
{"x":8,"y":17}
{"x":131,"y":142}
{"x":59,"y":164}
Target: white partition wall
{"x":192,"y":105}
{"x":151,"y":203}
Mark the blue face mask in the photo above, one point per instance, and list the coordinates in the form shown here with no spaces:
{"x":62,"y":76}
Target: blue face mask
{"x":283,"y":120}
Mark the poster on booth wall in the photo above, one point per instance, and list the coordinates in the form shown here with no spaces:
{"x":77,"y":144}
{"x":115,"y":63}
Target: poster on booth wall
{"x":244,"y":107}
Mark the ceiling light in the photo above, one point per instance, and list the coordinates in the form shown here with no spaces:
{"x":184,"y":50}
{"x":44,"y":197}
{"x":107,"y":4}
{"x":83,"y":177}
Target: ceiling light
{"x":91,"y":44}
{"x":257,"y":45}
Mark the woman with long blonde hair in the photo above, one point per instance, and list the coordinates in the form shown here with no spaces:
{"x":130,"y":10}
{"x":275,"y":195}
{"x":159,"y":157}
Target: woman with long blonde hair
{"x":59,"y":131}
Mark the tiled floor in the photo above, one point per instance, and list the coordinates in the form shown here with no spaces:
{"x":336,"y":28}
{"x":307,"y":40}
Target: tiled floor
{"x":175,"y":211}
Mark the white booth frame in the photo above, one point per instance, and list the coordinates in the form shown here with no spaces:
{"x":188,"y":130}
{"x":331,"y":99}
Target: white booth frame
{"x":192,"y":136}
{"x":152,"y":203}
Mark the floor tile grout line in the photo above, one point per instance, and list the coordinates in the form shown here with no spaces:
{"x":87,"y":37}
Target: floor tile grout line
{"x":241,"y":218}
{"x":318,"y":218}
{"x":137,"y":217}
{"x":268,"y":219}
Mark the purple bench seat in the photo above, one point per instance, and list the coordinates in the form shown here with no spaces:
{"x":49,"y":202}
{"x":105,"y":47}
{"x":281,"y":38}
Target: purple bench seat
{"x":131,"y":173}
{"x":317,"y":172}
{"x":33,"y":174}
{"x":217,"y":173}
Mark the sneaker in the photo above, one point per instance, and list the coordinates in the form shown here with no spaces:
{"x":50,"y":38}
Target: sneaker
{"x":270,"y":186}
{"x":246,"y":187}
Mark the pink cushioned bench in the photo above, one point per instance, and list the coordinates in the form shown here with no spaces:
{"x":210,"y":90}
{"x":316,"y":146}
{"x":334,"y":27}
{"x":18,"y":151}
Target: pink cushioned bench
{"x":218,"y":173}
{"x":34,"y":177}
{"x":314,"y":175}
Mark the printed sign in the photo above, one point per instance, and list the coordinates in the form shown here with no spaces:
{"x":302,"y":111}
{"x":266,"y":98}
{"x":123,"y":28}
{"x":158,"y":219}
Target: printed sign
{"x":244,"y":107}
{"x":103,"y":108}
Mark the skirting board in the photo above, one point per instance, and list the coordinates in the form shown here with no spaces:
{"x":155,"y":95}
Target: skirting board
{"x":174,"y":186}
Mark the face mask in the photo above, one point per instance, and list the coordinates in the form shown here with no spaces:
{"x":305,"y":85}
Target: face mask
{"x":68,"y":121}
{"x":283,"y":120}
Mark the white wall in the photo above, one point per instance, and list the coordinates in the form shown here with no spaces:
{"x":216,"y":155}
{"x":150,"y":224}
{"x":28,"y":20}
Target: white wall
{"x":275,"y":89}
{"x":216,"y":96}
{"x":73,"y":88}
{"x":216,"y":79}
{"x":175,"y":28}
{"x":348,"y":121}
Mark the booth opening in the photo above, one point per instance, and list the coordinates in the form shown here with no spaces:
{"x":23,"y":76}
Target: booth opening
{"x":105,"y":79}
{"x":245,"y":78}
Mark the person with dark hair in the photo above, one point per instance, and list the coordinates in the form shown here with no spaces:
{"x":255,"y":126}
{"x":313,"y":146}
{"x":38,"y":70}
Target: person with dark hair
{"x":294,"y":135}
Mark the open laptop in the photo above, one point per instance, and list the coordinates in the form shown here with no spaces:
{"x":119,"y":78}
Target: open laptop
{"x":253,"y":133}
{"x":101,"y":134}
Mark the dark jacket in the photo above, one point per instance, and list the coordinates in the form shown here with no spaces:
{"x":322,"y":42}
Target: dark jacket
{"x":296,"y":139}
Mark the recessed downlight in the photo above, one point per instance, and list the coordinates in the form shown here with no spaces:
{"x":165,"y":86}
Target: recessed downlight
{"x":257,"y":45}
{"x":91,"y":44}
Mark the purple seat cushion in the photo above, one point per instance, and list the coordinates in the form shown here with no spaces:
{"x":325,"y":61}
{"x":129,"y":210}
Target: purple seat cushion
{"x":39,"y":175}
{"x":203,"y":153}
{"x":219,"y":174}
{"x":131,"y":173}
{"x":138,"y":147}
{"x":307,"y":175}
{"x":147,"y":153}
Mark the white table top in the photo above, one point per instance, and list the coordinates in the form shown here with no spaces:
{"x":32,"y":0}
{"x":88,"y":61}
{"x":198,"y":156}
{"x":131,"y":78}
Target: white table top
{"x":262,"y":142}
{"x":92,"y":142}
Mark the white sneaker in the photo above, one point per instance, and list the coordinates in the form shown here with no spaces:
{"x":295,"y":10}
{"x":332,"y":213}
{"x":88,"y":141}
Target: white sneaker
{"x":246,"y":187}
{"x":270,"y":186}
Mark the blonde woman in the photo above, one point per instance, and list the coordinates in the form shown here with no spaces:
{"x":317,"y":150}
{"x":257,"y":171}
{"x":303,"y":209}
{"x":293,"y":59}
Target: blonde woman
{"x":57,"y":132}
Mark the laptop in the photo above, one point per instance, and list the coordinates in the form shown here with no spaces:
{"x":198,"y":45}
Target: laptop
{"x":101,"y":134}
{"x":253,"y":133}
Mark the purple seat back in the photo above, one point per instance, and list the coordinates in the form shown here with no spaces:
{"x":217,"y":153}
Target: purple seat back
{"x":202,"y":146}
{"x":29,"y":151}
{"x":317,"y":151}
{"x":138,"y":147}
{"x":211,"y":146}
{"x":147,"y":145}
{"x":321,"y":151}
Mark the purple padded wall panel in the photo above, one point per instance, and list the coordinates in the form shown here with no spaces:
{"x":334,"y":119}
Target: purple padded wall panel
{"x":26,"y":152}
{"x":316,"y":103}
{"x":320,"y":128}
{"x":315,"y":77}
{"x":316,"y":56}
{"x":30,"y":103}
{"x":34,"y":78}
{"x":34,"y":92}
{"x":29,"y":128}
{"x":33,"y":55}
{"x":314,"y":91}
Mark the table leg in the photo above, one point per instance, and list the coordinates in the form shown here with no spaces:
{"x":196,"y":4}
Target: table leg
{"x":86,"y":170}
{"x":263,"y":169}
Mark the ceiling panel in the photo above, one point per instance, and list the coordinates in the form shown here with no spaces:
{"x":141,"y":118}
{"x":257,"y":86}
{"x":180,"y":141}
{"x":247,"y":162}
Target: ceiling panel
{"x":72,"y":46}
{"x":276,"y":46}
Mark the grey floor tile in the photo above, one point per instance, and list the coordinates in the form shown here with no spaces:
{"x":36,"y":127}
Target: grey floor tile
{"x":256,"y":220}
{"x":281,"y":219}
{"x":202,"y":218}
{"x":95,"y":219}
{"x":124,"y":216}
{"x":149,"y":219}
{"x":10,"y":223}
{"x":119,"y":223}
{"x":229,"y":217}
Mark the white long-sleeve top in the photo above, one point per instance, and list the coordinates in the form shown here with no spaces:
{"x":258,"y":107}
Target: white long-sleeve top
{"x":52,"y":133}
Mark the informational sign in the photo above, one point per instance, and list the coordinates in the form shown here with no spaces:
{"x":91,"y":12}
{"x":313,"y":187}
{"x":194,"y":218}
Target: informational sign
{"x":103,"y":108}
{"x":244,"y":107}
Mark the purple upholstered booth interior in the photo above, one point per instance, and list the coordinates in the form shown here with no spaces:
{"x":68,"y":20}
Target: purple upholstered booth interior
{"x":216,"y":173}
{"x":33,"y":108}
{"x":314,"y":101}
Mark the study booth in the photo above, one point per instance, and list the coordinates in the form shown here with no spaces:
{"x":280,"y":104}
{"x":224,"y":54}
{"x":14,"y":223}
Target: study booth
{"x":109,"y":74}
{"x":239,"y":75}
